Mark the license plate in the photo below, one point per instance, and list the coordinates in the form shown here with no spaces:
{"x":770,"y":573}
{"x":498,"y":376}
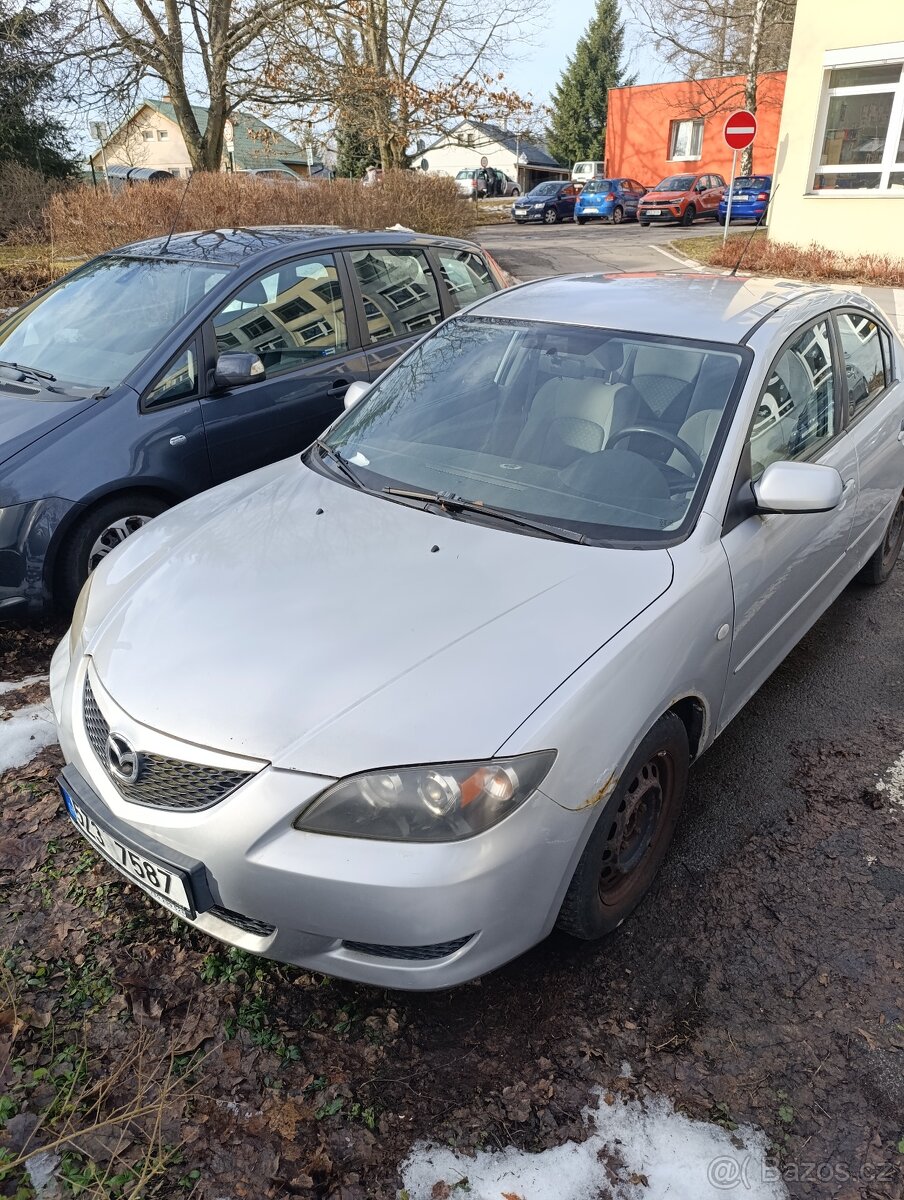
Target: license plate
{"x":654,"y":212}
{"x":163,"y":882}
{"x":589,"y":208}
{"x":520,"y":212}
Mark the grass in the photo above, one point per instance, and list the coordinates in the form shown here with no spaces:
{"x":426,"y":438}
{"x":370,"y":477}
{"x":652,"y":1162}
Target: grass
{"x":814,"y":263}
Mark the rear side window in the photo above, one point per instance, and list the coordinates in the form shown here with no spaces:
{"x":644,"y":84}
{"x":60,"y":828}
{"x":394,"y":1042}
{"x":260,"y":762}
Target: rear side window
{"x":399,"y":291}
{"x":466,"y":275}
{"x":864,"y":367}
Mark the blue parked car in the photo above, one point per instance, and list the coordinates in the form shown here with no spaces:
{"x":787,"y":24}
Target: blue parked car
{"x":750,"y":199}
{"x":608,"y":200}
{"x":549,"y":202}
{"x":165,"y":367}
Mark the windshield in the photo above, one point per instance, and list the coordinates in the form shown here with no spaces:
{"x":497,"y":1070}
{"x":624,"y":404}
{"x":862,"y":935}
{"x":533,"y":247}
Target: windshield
{"x":760,"y":182}
{"x":527,"y":417}
{"x":675,"y":183}
{"x":597,"y":185}
{"x":96,"y":326}
{"x":546,"y":189}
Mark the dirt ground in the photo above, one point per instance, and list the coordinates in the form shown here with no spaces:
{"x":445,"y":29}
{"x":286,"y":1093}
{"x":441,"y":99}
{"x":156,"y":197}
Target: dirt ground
{"x":770,"y":992}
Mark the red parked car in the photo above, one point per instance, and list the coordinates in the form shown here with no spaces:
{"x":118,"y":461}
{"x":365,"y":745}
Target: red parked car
{"x":682,"y":198}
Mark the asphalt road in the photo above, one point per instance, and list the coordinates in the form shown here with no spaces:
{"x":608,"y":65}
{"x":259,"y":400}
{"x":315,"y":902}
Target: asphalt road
{"x":846,"y":675}
{"x":532,"y":251}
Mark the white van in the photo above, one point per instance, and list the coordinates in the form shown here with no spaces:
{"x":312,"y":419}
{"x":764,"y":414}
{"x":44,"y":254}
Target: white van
{"x":582,"y":171}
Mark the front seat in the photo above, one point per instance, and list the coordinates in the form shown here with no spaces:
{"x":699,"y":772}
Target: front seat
{"x":570,"y":417}
{"x":698,"y":431}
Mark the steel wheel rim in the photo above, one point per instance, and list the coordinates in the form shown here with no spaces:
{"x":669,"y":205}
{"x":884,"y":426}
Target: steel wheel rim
{"x":891,"y":547}
{"x":550,"y":216}
{"x":114,"y":535}
{"x":636,"y":828}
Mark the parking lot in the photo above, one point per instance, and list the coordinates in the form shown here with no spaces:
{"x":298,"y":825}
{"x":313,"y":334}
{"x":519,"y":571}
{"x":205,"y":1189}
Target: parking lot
{"x":760,"y":982}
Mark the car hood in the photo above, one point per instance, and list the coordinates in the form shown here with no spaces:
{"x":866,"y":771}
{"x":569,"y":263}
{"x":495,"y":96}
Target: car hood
{"x":29,"y":409}
{"x":290,"y":618}
{"x":663,"y":197}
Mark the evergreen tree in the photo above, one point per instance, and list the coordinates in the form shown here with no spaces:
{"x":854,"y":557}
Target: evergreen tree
{"x":578,"y":126}
{"x":30,"y":133}
{"x":354,"y":151}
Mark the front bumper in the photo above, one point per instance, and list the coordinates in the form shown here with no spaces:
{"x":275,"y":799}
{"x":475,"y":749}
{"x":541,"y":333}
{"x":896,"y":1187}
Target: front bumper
{"x":530,"y":215}
{"x":400,"y":915}
{"x":663,"y":218}
{"x":26,"y":533}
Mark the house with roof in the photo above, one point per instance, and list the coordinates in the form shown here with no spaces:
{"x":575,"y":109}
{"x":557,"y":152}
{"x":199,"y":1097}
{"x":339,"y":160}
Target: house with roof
{"x":474,"y":144}
{"x":151,"y":138}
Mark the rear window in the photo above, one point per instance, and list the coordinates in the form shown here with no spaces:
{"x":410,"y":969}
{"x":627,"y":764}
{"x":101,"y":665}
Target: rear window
{"x":465,"y":174}
{"x":597,"y":185}
{"x":760,"y":182}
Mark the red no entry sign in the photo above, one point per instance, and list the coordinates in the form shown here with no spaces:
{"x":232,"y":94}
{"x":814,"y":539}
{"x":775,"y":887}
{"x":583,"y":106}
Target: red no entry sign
{"x":740,"y":129}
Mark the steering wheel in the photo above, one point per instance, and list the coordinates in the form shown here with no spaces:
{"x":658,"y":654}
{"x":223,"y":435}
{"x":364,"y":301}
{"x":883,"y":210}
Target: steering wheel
{"x":690,"y":456}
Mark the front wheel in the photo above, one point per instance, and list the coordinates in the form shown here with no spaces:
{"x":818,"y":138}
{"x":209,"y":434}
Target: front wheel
{"x":618,"y":215}
{"x":551,"y":216}
{"x":881,"y":565}
{"x":643,"y":224}
{"x":689,"y":213}
{"x":96,"y":534}
{"x":632,"y":835}
{"x":516,"y":191}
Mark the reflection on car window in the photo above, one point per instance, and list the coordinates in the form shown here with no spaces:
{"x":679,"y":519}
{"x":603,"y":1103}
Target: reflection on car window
{"x":99,"y":324}
{"x":675,"y":183}
{"x":796,"y":414}
{"x":862,"y":349}
{"x":399,"y":291}
{"x":466,"y":275}
{"x":546,"y":189}
{"x":597,"y":185}
{"x":536,"y":419}
{"x":290,"y":316}
{"x":177,"y":382}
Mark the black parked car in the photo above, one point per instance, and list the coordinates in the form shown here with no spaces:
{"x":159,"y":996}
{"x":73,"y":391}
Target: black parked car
{"x":164,"y":367}
{"x":549,"y":202}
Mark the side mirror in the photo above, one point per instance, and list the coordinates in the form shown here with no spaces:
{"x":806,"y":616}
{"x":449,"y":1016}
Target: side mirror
{"x":236,"y":367}
{"x":356,"y":391}
{"x":798,"y":487}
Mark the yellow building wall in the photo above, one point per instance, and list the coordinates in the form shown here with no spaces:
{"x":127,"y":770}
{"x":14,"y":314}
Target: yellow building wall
{"x":850,"y":224}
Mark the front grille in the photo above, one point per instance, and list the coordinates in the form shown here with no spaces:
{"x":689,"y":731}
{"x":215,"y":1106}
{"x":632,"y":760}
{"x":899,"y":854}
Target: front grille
{"x":258,"y":928}
{"x":412,"y":953}
{"x":162,"y":782}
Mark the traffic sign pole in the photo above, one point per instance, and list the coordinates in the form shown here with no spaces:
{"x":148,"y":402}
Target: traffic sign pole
{"x":734,"y":163}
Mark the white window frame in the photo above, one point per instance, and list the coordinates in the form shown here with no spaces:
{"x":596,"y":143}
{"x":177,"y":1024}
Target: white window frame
{"x":889,"y":54}
{"x":696,"y":122}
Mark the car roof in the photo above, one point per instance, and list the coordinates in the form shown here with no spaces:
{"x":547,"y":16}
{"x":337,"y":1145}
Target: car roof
{"x":232,"y":246}
{"x":717,"y":308}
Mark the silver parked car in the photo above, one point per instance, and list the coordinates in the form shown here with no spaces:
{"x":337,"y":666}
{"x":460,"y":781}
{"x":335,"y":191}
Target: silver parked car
{"x":395,"y":708}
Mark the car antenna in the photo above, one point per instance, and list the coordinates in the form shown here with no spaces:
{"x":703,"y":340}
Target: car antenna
{"x":734,"y":269}
{"x":165,"y":246}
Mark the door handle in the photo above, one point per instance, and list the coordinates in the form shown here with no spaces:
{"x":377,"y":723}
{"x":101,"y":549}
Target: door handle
{"x":178,"y":440}
{"x":901,"y":433}
{"x":339,"y":387}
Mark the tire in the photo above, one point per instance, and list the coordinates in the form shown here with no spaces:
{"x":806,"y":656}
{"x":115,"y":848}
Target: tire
{"x":551,"y":216}
{"x":581,"y":220}
{"x":688,"y":216}
{"x":720,"y":218}
{"x":516,"y":192}
{"x":881,"y":565}
{"x":618,"y":215}
{"x":95,"y":535}
{"x":643,"y":224}
{"x":636,"y":826}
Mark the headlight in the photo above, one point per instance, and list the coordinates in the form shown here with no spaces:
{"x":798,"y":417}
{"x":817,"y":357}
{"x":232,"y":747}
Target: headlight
{"x":443,"y":803}
{"x":78,"y":617}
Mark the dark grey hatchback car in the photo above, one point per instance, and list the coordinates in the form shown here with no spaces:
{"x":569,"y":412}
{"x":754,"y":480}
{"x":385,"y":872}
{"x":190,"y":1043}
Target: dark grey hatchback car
{"x":167,"y":366}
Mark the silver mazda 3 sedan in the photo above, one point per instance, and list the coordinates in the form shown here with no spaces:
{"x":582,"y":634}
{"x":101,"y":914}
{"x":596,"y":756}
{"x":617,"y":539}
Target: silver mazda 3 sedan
{"x":395,"y":708}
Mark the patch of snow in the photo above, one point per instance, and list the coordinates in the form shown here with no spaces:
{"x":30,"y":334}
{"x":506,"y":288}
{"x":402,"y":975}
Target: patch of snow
{"x":25,"y":734}
{"x":654,"y":1152}
{"x":7,"y":686}
{"x":894,"y":782}
{"x":40,"y":1169}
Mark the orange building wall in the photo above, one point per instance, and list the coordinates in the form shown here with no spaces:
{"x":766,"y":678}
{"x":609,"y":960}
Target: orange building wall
{"x":638,"y":130}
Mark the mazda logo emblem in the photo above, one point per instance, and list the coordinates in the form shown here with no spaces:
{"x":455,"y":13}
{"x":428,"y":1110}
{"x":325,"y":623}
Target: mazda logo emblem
{"x":123,"y":762}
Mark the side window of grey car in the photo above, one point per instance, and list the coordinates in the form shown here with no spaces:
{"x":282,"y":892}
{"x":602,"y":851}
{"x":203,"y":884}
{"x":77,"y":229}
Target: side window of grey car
{"x":466,"y":275}
{"x":177,"y":382}
{"x":796,"y":412}
{"x":864,"y":367}
{"x":291,"y":316}
{"x":399,"y":291}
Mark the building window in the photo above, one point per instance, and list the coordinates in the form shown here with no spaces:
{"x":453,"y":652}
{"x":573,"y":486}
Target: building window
{"x":860,"y":146}
{"x":162,"y":134}
{"x":686,"y":139}
{"x":147,"y":134}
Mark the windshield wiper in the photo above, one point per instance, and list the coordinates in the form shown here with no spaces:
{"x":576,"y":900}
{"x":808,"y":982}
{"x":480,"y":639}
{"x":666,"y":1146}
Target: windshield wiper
{"x":334,"y":455}
{"x":33,"y":371}
{"x":454,"y":504}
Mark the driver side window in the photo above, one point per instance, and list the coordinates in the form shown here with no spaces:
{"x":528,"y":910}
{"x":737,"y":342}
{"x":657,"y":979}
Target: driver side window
{"x":796,"y":413}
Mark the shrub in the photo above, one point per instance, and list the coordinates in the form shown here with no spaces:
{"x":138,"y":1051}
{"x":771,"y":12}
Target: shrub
{"x":84,"y":221}
{"x":814,"y":262}
{"x":24,"y":195}
{"x":21,"y":280}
